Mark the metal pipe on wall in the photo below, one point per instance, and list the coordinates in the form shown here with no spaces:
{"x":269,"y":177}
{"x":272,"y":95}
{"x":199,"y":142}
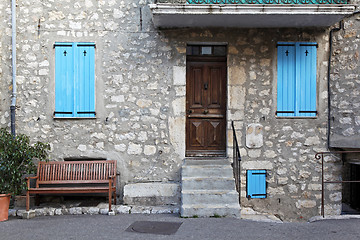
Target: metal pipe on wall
{"x":328,"y":82}
{"x":13,"y":96}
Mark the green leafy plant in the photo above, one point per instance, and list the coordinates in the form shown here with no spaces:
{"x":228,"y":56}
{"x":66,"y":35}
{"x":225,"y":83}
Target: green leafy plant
{"x":17,"y":158}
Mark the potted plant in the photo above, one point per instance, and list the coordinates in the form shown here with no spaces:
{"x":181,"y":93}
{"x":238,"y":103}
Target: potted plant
{"x":17,"y":158}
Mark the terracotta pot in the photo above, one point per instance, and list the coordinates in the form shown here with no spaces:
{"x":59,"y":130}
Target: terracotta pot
{"x":4,"y":206}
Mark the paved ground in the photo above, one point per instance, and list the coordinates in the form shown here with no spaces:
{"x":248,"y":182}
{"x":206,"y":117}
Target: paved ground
{"x":113,"y":227}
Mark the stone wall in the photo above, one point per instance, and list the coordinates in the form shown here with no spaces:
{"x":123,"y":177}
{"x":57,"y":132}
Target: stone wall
{"x":345,"y":85}
{"x":140,"y":98}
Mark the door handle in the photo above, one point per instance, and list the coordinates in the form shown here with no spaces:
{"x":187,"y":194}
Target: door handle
{"x":206,"y":85}
{"x":190,"y":111}
{"x":206,"y":111}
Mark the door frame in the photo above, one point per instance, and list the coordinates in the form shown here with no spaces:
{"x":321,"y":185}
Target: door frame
{"x":209,"y":153}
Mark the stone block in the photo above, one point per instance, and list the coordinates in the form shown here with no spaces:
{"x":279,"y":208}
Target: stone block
{"x":257,"y":165}
{"x":236,"y":98}
{"x":75,"y":211}
{"x":254,"y":135}
{"x":161,"y":210}
{"x":237,"y":75}
{"x":12,"y":212}
{"x":335,"y":197}
{"x":59,"y":211}
{"x":40,"y":212}
{"x":178,"y":106}
{"x":28,"y":214}
{"x":123,"y":209}
{"x":104,"y":211}
{"x":20,"y":212}
{"x":305,"y":204}
{"x":179,"y":75}
{"x":151,"y":194}
{"x":141,"y":209}
{"x":177,"y":134}
{"x":93,"y":210}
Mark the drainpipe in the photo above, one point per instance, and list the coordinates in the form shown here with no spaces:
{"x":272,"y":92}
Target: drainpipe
{"x":13,"y":96}
{"x":328,"y":82}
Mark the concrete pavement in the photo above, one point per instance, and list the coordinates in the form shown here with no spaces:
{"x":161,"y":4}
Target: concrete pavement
{"x":113,"y":227}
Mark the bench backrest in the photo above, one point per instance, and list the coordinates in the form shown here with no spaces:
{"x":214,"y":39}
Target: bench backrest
{"x":75,"y":172}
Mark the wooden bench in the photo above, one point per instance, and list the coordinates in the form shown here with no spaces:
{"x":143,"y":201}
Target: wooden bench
{"x":74,"y":177}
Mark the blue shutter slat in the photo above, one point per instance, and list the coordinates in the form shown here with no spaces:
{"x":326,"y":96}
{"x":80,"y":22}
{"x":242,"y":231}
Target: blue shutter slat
{"x":63,"y":81}
{"x":286,"y":81}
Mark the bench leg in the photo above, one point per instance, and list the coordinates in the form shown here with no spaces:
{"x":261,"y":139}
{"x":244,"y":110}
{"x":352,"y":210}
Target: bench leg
{"x":110,"y":194}
{"x":27,"y":200}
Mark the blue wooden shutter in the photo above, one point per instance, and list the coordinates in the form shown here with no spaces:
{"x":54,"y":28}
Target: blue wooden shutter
{"x":286,"y":80}
{"x":256,"y":183}
{"x":85,"y":80}
{"x":306,"y":79}
{"x":64,"y":80}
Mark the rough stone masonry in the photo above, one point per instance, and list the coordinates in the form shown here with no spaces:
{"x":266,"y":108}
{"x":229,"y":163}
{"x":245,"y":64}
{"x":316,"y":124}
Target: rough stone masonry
{"x":140,"y":92}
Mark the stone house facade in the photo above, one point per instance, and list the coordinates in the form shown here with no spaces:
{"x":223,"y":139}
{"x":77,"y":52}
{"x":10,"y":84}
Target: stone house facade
{"x":140,"y":98}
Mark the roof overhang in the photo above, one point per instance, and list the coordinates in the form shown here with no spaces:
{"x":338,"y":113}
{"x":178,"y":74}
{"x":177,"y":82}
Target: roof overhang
{"x":169,"y":15}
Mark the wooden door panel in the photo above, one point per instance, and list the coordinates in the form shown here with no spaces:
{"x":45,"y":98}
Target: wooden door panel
{"x":196,"y":133}
{"x":215,"y":129}
{"x":196,"y":96}
{"x":215,"y":91}
{"x":206,"y":108}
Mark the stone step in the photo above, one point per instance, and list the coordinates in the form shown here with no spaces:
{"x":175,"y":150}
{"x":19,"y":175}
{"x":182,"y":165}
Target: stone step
{"x":208,"y":188}
{"x":207,"y":171}
{"x":210,"y":183}
{"x":206,"y":162}
{"x":209,"y":197}
{"x":210,"y":210}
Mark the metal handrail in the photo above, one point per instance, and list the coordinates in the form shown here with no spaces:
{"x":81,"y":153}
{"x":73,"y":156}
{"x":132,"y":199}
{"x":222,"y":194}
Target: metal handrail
{"x":320,"y":155}
{"x":236,"y":160}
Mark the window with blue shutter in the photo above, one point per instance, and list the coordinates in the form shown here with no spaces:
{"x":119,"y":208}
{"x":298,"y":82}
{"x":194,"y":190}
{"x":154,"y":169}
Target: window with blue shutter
{"x":74,"y":80}
{"x":256,"y":183}
{"x":296,"y":79}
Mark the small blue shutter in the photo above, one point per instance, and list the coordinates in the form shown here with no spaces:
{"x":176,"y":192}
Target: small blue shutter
{"x":286,"y":80}
{"x":85,"y":81}
{"x":64,"y":83}
{"x":256,"y":183}
{"x":306,"y":79}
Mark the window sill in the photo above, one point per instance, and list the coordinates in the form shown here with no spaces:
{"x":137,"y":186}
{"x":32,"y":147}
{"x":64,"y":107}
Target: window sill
{"x":73,"y":118}
{"x":277,"y":117}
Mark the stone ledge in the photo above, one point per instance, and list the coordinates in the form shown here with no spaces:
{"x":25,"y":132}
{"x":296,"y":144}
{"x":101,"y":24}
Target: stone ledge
{"x":100,"y":209}
{"x":334,"y":217}
{"x":251,"y":214}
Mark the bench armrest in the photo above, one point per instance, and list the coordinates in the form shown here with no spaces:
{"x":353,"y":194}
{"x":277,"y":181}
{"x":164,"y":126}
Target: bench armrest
{"x":28,"y":180}
{"x":35,"y":177}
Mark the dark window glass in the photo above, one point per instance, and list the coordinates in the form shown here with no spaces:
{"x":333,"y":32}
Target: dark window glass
{"x":219,"y":50}
{"x":205,"y":50}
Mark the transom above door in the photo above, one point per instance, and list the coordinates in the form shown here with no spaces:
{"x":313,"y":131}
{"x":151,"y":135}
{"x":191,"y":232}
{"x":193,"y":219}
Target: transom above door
{"x":206,"y":101}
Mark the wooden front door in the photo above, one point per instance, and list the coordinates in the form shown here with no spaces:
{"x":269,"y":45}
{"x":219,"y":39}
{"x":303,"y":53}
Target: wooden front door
{"x":206,"y":107}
